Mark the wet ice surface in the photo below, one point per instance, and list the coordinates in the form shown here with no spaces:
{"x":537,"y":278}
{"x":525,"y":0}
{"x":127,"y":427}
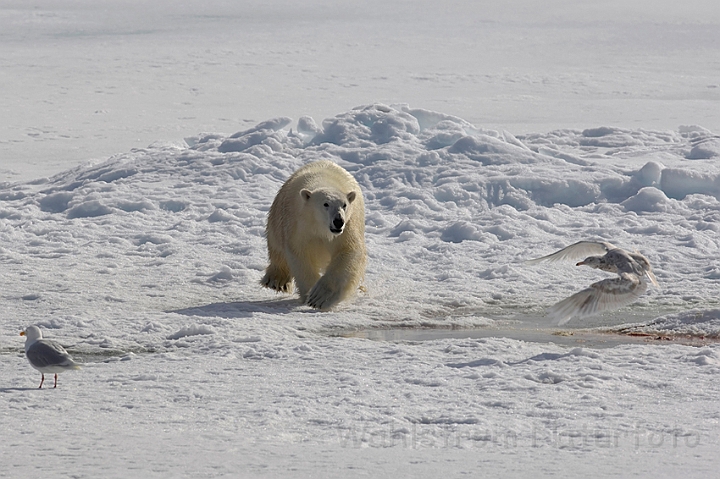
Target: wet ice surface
{"x":591,"y":339}
{"x":598,"y":332}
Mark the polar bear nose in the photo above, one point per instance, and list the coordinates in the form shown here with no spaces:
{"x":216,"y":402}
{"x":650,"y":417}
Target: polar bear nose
{"x":338,"y":224}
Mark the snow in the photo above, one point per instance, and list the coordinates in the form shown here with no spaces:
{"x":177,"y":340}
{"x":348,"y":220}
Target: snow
{"x":144,"y":263}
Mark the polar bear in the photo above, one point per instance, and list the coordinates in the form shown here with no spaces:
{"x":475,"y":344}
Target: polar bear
{"x":316,"y":235}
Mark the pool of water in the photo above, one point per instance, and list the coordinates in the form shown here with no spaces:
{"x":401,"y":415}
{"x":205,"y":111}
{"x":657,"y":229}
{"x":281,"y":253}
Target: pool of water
{"x":590,"y":333}
{"x":570,"y":338}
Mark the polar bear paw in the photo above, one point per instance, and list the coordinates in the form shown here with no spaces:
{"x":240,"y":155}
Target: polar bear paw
{"x":322,"y":297}
{"x":281,"y":285}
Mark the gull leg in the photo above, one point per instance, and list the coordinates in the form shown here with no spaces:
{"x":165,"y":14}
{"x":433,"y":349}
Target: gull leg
{"x":55,"y":380}
{"x":42,"y":380}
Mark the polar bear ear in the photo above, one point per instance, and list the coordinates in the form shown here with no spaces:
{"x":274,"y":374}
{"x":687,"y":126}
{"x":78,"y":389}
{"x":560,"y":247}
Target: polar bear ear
{"x":306,"y":194}
{"x":351,"y":197}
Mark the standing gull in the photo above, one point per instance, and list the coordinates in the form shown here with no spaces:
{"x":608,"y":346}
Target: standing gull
{"x":633,"y":270}
{"x":45,"y":355}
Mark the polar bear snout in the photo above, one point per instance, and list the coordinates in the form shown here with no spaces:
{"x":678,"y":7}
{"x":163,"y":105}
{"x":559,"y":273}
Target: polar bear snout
{"x":338,"y":223}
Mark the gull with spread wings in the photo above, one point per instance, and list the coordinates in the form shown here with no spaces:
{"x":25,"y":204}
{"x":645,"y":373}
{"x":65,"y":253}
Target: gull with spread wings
{"x":633,"y":270}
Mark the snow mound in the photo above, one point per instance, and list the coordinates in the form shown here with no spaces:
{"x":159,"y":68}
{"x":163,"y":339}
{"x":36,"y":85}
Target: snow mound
{"x":451,"y":211}
{"x":705,"y":149}
{"x":647,"y":199}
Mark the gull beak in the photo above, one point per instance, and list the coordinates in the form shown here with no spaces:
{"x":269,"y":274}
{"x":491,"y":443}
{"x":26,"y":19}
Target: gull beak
{"x":22,"y":333}
{"x":580,"y":263}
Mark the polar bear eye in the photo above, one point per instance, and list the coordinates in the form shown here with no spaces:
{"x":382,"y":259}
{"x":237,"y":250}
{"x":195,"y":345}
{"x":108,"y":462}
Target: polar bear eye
{"x":344,"y":205}
{"x":326,"y":205}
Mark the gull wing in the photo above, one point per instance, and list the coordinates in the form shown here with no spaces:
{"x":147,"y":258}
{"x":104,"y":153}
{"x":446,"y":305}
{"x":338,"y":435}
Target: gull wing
{"x":579,"y":250}
{"x":44,"y":353}
{"x":604,"y":295}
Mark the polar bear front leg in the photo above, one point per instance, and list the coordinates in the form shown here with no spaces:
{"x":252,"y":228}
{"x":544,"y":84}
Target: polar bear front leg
{"x":277,"y":274}
{"x":306,"y":274}
{"x":339,"y":281}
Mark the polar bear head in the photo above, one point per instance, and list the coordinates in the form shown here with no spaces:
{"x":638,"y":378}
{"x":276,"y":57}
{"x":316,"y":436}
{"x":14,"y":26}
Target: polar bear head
{"x":331,"y":208}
